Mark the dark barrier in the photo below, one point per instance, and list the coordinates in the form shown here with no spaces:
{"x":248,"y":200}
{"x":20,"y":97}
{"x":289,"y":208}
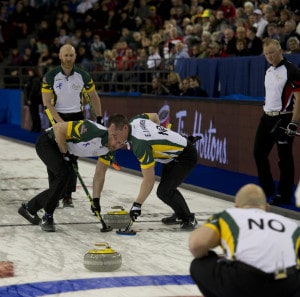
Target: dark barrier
{"x":227,"y":127}
{"x":10,"y":106}
{"x":224,"y":76}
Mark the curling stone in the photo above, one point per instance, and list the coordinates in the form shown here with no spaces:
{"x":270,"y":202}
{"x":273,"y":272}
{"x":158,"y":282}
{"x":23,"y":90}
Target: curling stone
{"x":105,"y":259}
{"x":118,"y":218}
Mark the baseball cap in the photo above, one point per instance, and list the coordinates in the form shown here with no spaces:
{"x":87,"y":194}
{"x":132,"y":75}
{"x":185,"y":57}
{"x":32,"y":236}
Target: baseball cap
{"x":257,"y":11}
{"x":297,"y":12}
{"x":206,"y":13}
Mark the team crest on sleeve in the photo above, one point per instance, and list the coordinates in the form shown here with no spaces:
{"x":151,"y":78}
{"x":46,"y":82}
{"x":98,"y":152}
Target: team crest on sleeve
{"x":83,"y":129}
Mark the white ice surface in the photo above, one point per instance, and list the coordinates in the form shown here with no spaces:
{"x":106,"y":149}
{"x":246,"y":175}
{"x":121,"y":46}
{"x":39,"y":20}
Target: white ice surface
{"x":42,"y":257}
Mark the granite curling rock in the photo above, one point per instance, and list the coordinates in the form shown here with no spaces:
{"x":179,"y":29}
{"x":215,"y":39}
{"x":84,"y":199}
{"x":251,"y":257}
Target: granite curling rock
{"x":118,"y":218}
{"x":104,"y":259}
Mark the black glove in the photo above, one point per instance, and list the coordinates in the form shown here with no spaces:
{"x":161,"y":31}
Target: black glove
{"x":291,"y":128}
{"x":135,"y":211}
{"x":194,"y":139}
{"x":70,"y":159}
{"x":97,"y":206}
{"x":100,"y":120}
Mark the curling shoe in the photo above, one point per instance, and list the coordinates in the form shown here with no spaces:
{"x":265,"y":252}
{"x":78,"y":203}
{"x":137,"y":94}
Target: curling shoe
{"x":278,"y":200}
{"x":31,"y":217}
{"x":172,"y":220}
{"x":47,"y":223}
{"x":189,"y":224}
{"x":67,"y":202}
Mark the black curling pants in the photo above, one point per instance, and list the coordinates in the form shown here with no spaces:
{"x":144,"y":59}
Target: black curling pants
{"x":220,"y":278}
{"x":172,"y":176}
{"x":264,"y":142}
{"x":60,"y":170}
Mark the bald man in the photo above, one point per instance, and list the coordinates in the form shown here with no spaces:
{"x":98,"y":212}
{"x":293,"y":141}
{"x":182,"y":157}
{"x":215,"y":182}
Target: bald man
{"x":62,"y":89}
{"x":261,"y":251}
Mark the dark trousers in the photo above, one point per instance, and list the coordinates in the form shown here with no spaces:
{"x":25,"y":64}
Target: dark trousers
{"x":220,"y":278}
{"x":264,"y":142}
{"x":71,"y":186}
{"x":34,"y":109}
{"x":172,"y":176}
{"x":61,"y":173}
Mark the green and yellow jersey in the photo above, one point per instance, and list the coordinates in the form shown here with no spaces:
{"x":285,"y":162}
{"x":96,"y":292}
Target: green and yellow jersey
{"x":153,"y":143}
{"x":67,"y":90}
{"x":249,"y":236}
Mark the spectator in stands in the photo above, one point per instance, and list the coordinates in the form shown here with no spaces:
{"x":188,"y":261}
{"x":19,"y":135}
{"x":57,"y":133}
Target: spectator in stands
{"x":31,"y":15}
{"x":189,"y":38}
{"x":205,"y":21}
{"x":33,"y":98}
{"x":97,"y":48}
{"x":260,"y":23}
{"x":125,"y":21}
{"x":240,"y":13}
{"x":181,"y":52}
{"x":54,"y":48}
{"x":215,"y":51}
{"x":19,"y":21}
{"x":241,"y":47}
{"x":82,"y":58}
{"x":76,"y":38}
{"x":148,"y":27}
{"x":195,"y":85}
{"x":206,"y":37}
{"x":289,"y":31}
{"x":28,"y":58}
{"x":63,"y":36}
{"x":229,"y":10}
{"x":142,"y":11}
{"x":45,"y":33}
{"x":109,"y":68}
{"x":140,"y":68}
{"x":154,"y":59}
{"x":296,"y":18}
{"x":158,"y":87}
{"x":285,"y":15}
{"x":68,"y":22}
{"x":254,"y":45}
{"x":270,"y":14}
{"x":220,"y":23}
{"x":12,"y":73}
{"x":240,"y":32}
{"x":213,"y":4}
{"x":185,"y":88}
{"x":229,"y":42}
{"x":45,"y":60}
{"x":157,"y":41}
{"x":130,"y":8}
{"x":72,"y":6}
{"x":87,"y":40}
{"x":155,"y":18}
{"x":195,"y":51}
{"x":32,"y":45}
{"x":248,"y":8}
{"x":173,"y":83}
{"x":83,"y":7}
{"x":272,"y":31}
{"x":203,"y":50}
{"x":293,"y":44}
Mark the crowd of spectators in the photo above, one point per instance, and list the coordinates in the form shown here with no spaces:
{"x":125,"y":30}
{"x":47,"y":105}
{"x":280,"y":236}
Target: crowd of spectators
{"x":139,"y":35}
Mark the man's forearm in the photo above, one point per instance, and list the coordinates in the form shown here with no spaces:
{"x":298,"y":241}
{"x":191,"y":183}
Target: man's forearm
{"x":145,"y":190}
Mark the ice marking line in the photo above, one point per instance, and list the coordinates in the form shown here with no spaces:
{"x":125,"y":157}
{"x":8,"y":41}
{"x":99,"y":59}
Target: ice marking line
{"x":64,"y":286}
{"x":163,"y":228}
